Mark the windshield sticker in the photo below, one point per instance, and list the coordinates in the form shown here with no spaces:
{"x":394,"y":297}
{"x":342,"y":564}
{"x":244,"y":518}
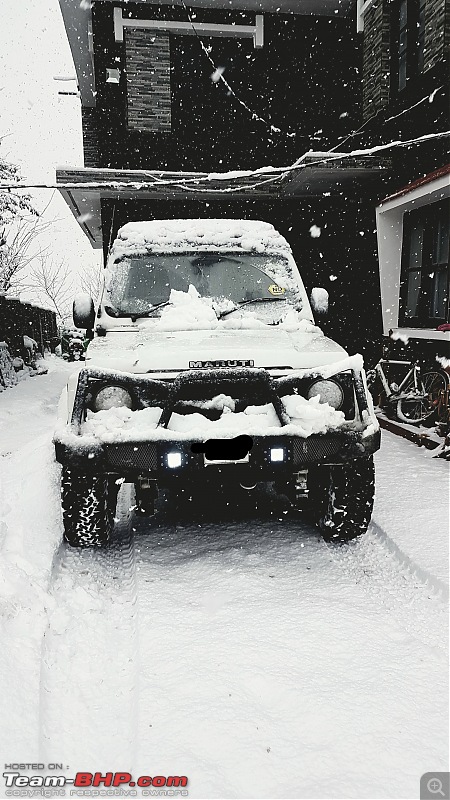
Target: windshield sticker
{"x":276,"y":290}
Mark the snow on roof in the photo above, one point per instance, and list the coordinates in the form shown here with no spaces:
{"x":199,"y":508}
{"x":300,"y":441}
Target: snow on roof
{"x":181,"y":235}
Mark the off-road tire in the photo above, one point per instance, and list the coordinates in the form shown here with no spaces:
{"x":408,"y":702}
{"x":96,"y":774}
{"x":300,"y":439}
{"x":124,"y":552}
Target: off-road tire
{"x":341,"y":498}
{"x":88,"y":505}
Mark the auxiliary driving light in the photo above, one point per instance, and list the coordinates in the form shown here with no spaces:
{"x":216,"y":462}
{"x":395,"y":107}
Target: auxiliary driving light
{"x":277,"y":454}
{"x":174,"y":460}
{"x":328,"y":392}
{"x":112,"y":397}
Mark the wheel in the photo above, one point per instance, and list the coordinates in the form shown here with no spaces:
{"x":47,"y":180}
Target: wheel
{"x":342,"y":498}
{"x":88,"y":504}
{"x":425,"y":405}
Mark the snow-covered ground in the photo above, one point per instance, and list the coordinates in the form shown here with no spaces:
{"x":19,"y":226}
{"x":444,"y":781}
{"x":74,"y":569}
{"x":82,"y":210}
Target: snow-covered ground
{"x":233,"y":647}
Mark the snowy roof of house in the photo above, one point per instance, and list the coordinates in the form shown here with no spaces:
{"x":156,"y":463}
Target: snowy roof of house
{"x":181,"y":235}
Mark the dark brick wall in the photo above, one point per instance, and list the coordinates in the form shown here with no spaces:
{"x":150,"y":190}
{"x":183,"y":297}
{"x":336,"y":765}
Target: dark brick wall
{"x":447,"y":31}
{"x":376,"y":59}
{"x":90,"y":137}
{"x":437,"y":33}
{"x":147,"y":59}
{"x":376,"y":56}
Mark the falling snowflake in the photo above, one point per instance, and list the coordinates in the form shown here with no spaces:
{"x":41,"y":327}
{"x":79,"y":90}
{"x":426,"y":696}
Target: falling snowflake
{"x":217,"y":74}
{"x":315,"y":231}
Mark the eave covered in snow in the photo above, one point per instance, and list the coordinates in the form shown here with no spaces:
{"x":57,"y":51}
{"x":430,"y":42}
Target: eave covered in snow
{"x":315,"y":175}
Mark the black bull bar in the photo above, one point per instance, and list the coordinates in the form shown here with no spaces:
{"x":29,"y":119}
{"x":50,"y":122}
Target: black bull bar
{"x":245,"y":385}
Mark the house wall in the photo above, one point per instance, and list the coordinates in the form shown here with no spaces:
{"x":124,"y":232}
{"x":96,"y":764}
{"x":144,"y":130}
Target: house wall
{"x":389,"y":217}
{"x":376,"y":59}
{"x":148,"y":92}
{"x":377,"y":94}
{"x":90,"y":137}
{"x":437,"y":32}
{"x":304,"y":81}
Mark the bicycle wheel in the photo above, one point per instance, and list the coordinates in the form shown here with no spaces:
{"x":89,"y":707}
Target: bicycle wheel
{"x":422,"y":402}
{"x":375,"y":388}
{"x":435,"y":382}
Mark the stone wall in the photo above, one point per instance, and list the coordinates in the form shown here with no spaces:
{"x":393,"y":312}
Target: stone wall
{"x":147,"y":58}
{"x":376,"y":50}
{"x":90,"y":137}
{"x":437,"y":32}
{"x":376,"y":57}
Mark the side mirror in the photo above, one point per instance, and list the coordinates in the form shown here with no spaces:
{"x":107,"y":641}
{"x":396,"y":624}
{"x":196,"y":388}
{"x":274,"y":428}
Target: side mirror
{"x":319,"y":301}
{"x":83,"y":312}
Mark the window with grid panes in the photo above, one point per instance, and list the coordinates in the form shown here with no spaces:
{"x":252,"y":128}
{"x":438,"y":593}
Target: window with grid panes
{"x":425,"y":266}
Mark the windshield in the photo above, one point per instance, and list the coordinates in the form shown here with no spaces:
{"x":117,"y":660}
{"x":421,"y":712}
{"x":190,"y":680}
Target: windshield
{"x":140,"y":283}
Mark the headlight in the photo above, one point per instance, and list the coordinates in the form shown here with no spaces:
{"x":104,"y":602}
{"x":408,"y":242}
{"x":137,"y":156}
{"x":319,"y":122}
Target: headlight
{"x":328,"y":391}
{"x":112,"y":397}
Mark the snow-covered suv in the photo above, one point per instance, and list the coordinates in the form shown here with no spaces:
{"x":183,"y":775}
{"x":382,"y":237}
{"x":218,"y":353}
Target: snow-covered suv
{"x":206,"y":365}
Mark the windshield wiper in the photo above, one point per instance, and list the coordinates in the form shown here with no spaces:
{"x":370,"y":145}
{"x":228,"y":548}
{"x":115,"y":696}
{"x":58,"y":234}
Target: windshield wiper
{"x":114,"y":312}
{"x":149,"y":311}
{"x":246,"y":303}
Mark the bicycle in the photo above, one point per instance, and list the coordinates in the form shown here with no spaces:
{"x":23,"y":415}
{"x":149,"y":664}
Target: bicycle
{"x":419,"y":395}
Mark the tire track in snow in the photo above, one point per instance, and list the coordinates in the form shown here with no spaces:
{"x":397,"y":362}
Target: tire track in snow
{"x":262,"y":647}
{"x":417,"y":599}
{"x":419,"y":573}
{"x":88,"y":687}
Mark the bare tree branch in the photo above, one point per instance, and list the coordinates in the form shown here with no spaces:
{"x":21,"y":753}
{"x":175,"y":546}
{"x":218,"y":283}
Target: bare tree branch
{"x":52,"y":283}
{"x":91,"y":280}
{"x":17,"y":251}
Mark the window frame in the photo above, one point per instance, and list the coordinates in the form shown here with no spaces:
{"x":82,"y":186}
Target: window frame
{"x":430,"y":218}
{"x":408,"y":53}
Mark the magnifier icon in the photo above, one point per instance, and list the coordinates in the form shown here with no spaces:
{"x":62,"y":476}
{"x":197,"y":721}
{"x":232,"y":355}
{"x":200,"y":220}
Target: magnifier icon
{"x":434,"y":786}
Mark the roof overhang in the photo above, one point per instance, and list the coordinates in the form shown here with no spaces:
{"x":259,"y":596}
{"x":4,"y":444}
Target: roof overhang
{"x":333,"y":175}
{"x":77,"y":18}
{"x":328,"y":8}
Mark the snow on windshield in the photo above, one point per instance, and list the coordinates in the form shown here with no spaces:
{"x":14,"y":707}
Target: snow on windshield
{"x":230,"y":261}
{"x":141,"y":283}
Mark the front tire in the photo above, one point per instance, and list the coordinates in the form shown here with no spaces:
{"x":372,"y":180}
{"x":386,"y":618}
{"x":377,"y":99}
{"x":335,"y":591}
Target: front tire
{"x":342,"y":498}
{"x":88,"y":505}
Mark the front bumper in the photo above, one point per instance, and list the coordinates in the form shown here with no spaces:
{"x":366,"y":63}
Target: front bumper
{"x":359,"y":437}
{"x":134,"y":459}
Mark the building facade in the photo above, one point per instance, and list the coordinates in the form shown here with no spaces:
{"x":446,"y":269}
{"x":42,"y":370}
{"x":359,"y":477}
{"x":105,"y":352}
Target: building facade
{"x":406,"y":71}
{"x":174,"y":95}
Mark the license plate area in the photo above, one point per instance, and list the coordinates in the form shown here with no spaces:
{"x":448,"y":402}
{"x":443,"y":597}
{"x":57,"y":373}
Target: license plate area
{"x":225,"y":451}
{"x":208,"y":462}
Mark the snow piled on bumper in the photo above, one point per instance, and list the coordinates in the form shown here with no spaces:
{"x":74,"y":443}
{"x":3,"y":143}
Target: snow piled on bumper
{"x":306,"y":418}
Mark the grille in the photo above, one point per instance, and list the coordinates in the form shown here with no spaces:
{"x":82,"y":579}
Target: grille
{"x":137,"y":455}
{"x":315,"y":448}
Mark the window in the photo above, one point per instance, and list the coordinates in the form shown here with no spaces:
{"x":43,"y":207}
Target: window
{"x":408,"y":41}
{"x":425,"y":266}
